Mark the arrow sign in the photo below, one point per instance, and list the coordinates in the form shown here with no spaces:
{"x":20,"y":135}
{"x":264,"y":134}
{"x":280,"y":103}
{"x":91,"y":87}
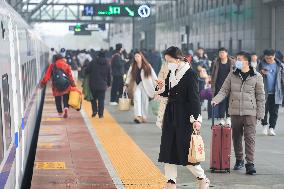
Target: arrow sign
{"x":130,"y":12}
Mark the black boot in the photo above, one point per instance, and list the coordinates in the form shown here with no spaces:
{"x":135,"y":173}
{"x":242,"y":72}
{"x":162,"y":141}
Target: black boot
{"x":239,"y":164}
{"x":250,"y":170}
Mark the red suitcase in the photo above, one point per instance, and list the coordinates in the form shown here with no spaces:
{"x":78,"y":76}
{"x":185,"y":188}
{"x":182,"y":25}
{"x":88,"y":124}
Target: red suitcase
{"x":220,"y":147}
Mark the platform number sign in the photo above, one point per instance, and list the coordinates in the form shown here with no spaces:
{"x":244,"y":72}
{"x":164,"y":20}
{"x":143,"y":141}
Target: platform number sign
{"x":144,"y":11}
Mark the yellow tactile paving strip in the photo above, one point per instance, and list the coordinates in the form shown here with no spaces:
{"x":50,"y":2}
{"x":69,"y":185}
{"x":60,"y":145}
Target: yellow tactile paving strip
{"x":134,"y":168}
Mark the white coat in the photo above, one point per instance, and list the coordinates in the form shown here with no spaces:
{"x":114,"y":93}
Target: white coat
{"x":148,"y":83}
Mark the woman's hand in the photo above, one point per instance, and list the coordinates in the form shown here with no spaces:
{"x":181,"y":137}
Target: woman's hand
{"x":160,"y":84}
{"x":196,"y":125}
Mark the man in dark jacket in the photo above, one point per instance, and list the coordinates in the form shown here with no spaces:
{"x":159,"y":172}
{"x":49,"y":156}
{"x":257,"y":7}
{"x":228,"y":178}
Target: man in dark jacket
{"x":117,"y":68}
{"x":100,"y":79}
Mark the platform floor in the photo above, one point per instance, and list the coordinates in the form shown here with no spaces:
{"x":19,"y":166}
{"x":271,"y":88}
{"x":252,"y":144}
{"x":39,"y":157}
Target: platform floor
{"x":113,"y":152}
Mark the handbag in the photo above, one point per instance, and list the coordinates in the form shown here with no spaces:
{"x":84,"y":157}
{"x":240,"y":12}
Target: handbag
{"x":196,"y":151}
{"x":124,"y":102}
{"x":75,"y":98}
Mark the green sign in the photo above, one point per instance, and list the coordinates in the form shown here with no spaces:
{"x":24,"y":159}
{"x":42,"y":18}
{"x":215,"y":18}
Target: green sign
{"x":117,"y":10}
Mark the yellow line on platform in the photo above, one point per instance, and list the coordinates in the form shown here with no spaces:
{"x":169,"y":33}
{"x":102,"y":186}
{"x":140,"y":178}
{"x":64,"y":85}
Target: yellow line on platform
{"x":134,"y":168}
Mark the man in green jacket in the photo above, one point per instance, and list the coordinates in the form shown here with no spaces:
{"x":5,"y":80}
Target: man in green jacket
{"x":245,"y":88}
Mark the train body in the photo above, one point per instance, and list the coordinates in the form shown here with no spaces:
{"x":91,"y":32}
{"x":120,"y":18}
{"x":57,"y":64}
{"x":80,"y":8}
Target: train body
{"x":23,"y":60}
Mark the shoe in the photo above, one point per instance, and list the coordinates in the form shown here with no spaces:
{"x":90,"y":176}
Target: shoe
{"x":144,"y":120}
{"x":239,"y":164}
{"x":222,"y":122}
{"x":113,"y":103}
{"x":203,"y":183}
{"x":265,"y":130}
{"x":271,"y":132}
{"x":170,"y":186}
{"x":65,"y":115}
{"x":94,"y":115}
{"x":60,"y":114}
{"x":101,"y":116}
{"x":138,"y":120}
{"x":228,"y":121}
{"x":250,"y":170}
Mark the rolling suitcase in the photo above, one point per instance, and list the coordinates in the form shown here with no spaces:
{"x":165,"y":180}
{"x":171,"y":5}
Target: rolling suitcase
{"x":220,"y":147}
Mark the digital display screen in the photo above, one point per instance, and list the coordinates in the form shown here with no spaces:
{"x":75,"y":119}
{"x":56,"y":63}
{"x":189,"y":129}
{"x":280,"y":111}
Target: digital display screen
{"x":117,"y":10}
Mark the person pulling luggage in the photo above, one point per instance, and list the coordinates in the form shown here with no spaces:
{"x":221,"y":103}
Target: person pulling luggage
{"x":245,"y":89}
{"x":62,"y":81}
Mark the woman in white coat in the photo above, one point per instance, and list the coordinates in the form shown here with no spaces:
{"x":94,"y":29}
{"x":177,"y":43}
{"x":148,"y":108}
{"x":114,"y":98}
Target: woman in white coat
{"x":142,"y":79}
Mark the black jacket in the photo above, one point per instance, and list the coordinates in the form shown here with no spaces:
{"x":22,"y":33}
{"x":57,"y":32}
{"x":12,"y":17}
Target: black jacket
{"x":117,"y":65}
{"x":100,"y":77}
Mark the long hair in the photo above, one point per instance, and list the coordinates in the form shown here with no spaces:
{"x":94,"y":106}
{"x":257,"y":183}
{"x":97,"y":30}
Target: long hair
{"x":145,"y":66}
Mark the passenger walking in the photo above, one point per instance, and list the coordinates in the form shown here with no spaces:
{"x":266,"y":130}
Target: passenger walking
{"x":272,"y":71}
{"x":245,"y":88}
{"x":181,"y":88}
{"x":117,"y":70}
{"x":200,"y":59}
{"x":254,"y":60}
{"x":60,"y":63}
{"x":100,"y":79}
{"x":221,"y":67}
{"x":143,"y":79}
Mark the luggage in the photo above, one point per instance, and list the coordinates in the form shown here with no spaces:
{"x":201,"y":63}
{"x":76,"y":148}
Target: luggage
{"x":220,"y":147}
{"x":59,"y":79}
{"x":124,"y":102}
{"x":75,"y":98}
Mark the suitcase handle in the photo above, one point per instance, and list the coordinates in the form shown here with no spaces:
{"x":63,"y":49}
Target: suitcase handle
{"x":213,"y":116}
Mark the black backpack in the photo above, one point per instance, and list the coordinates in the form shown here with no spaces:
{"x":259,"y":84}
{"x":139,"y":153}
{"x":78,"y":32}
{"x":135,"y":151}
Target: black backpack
{"x":59,"y":79}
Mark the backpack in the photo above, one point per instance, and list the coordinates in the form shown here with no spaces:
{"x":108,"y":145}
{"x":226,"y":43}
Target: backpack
{"x":59,"y":79}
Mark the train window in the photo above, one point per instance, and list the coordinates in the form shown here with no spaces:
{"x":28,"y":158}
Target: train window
{"x":6,"y":103}
{"x":1,"y":133}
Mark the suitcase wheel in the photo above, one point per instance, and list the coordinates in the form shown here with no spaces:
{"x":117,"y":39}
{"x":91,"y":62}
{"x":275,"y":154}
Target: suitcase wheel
{"x":212,"y":170}
{"x":228,"y":171}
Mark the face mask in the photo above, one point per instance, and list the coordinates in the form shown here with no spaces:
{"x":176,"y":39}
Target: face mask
{"x":172,"y":66}
{"x":239,"y":65}
{"x":253,"y":64}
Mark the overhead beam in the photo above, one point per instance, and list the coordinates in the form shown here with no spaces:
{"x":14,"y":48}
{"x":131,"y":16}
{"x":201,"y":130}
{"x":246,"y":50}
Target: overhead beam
{"x":39,"y":5}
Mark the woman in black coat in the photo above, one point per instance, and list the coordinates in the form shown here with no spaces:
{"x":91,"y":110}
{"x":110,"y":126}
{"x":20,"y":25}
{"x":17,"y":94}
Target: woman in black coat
{"x":181,"y":88}
{"x":100,"y":79}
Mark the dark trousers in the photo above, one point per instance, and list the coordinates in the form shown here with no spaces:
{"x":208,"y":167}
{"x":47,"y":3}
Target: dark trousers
{"x":98,"y":103}
{"x":244,"y":126}
{"x":116,"y":88}
{"x":272,"y":109}
{"x":58,"y":102}
{"x":223,"y":108}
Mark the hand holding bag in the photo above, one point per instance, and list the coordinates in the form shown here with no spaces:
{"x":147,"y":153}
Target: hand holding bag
{"x":124,"y":102}
{"x":196,"y":151}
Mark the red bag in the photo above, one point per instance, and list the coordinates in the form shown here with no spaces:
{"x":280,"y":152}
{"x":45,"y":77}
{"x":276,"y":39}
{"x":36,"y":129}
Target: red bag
{"x":220,"y":147}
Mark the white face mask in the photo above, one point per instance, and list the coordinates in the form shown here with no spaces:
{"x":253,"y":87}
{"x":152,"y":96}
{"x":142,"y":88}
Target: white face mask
{"x":253,"y":64}
{"x":172,"y":66}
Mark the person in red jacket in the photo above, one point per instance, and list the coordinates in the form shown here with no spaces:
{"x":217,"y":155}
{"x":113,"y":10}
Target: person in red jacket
{"x":61,"y":63}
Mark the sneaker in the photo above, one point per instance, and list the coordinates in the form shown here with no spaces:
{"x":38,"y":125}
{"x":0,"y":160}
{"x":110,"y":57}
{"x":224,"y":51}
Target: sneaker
{"x":222,"y":122}
{"x":265,"y":130}
{"x":65,"y":115}
{"x":239,"y":164}
{"x":203,"y":183}
{"x":94,"y":115}
{"x":228,"y":121}
{"x":271,"y":132}
{"x":170,"y":186}
{"x":138,"y":119}
{"x":113,"y":103}
{"x":250,"y":170}
{"x":60,"y":114}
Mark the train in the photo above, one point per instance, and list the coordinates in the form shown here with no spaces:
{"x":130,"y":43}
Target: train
{"x":23,"y":61}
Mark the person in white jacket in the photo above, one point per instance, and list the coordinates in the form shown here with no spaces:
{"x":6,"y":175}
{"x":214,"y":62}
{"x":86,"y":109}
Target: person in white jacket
{"x":142,"y":79}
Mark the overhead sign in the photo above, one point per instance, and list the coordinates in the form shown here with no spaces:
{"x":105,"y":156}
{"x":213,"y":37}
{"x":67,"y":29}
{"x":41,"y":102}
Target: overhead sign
{"x":115,"y":10}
